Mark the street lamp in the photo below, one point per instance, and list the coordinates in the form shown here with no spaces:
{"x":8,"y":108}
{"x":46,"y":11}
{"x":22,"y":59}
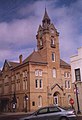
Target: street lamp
{"x":78,"y":112}
{"x":26,"y":99}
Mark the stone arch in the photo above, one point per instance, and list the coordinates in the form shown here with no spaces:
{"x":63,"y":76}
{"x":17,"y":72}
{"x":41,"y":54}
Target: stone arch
{"x":56,"y":98}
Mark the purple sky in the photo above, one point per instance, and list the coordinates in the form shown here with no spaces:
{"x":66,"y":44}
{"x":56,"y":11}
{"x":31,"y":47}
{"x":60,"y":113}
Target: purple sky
{"x":19,"y":21}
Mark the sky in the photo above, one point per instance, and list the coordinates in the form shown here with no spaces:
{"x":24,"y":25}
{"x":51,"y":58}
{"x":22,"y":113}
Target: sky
{"x":20,"y":19}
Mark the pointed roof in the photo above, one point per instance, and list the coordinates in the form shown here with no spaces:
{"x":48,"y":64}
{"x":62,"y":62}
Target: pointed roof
{"x":13,"y":64}
{"x":63,"y":64}
{"x":40,"y":28}
{"x":55,"y":86}
{"x":46,"y":15}
{"x":10,"y":64}
{"x":34,"y":57}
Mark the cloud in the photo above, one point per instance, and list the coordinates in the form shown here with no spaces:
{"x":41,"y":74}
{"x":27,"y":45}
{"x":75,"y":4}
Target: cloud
{"x":67,"y":20}
{"x":19,"y":35}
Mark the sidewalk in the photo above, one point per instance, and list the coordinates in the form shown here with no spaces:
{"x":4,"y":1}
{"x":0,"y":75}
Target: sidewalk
{"x":14,"y":113}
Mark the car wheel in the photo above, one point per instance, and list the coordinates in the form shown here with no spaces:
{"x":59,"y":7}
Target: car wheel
{"x":63,"y":118}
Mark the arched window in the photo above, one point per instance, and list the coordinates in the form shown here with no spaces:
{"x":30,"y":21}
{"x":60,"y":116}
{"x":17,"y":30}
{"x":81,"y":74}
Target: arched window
{"x":52,"y":41}
{"x":39,"y":101}
{"x":53,"y":57}
{"x":41,"y":42}
{"x":41,"y":83}
{"x":69,"y":96}
{"x":24,"y":102}
{"x":54,"y":73}
{"x":17,"y":102}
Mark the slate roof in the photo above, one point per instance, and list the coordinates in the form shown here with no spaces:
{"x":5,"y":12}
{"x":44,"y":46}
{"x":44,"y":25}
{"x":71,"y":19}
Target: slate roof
{"x":13,"y":64}
{"x":34,"y":57}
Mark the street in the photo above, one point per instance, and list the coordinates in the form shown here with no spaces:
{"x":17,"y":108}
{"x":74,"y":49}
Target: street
{"x":15,"y":117}
{"x":12,"y":117}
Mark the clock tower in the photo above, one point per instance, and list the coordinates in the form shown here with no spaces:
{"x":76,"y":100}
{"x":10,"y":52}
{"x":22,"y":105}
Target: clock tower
{"x":48,"y":47}
{"x":47,"y":41}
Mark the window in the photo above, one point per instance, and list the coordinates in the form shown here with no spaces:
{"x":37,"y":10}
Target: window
{"x":77,"y":74}
{"x":33,"y":103}
{"x":18,"y":85}
{"x":53,"y":56}
{"x":37,"y":83}
{"x":40,"y":72}
{"x":6,"y":79}
{"x":54,"y":109}
{"x":65,"y":74}
{"x":69,"y":96}
{"x":67,"y":84}
{"x":24,"y":102}
{"x":68,"y":75}
{"x":12,"y":87}
{"x":17,"y":76}
{"x":36,"y":72}
{"x":54,"y":73}
{"x":40,"y":101}
{"x":41,"y":42}
{"x":25,"y":84}
{"x":40,"y":83}
{"x":0,"y":88}
{"x":17,"y":102}
{"x":52,"y":41}
{"x":24,"y":74}
{"x":43,"y":111}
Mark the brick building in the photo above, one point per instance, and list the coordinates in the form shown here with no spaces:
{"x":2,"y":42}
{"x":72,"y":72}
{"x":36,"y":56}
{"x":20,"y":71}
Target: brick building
{"x":42,"y":77}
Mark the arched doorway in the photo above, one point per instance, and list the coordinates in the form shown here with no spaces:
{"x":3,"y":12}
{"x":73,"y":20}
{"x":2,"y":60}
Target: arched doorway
{"x":56,"y":98}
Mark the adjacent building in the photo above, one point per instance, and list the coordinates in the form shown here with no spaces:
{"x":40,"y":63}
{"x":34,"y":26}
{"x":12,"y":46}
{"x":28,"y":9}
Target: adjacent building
{"x":76,"y":69}
{"x":39,"y":80}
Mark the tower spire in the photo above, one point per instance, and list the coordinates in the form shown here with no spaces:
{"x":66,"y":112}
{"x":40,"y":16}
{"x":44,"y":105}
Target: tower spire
{"x":46,"y":19}
{"x":46,"y":15}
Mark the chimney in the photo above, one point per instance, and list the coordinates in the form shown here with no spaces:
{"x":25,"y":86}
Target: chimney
{"x":20,"y":58}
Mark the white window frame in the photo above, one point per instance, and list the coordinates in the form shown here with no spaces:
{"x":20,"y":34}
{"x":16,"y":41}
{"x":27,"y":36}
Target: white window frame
{"x":36,"y":72}
{"x":67,"y":84}
{"x":40,"y":72}
{"x":68,"y":74}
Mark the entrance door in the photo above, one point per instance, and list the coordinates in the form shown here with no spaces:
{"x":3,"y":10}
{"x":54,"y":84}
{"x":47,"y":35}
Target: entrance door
{"x":56,"y":100}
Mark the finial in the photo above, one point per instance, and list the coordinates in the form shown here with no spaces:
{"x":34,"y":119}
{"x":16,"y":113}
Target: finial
{"x":45,"y":7}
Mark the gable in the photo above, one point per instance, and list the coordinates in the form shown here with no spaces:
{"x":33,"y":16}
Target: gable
{"x":5,"y":66}
{"x":56,"y":86}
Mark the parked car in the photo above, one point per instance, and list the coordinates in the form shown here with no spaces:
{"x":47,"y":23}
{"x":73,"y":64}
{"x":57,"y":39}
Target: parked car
{"x":52,"y":113}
